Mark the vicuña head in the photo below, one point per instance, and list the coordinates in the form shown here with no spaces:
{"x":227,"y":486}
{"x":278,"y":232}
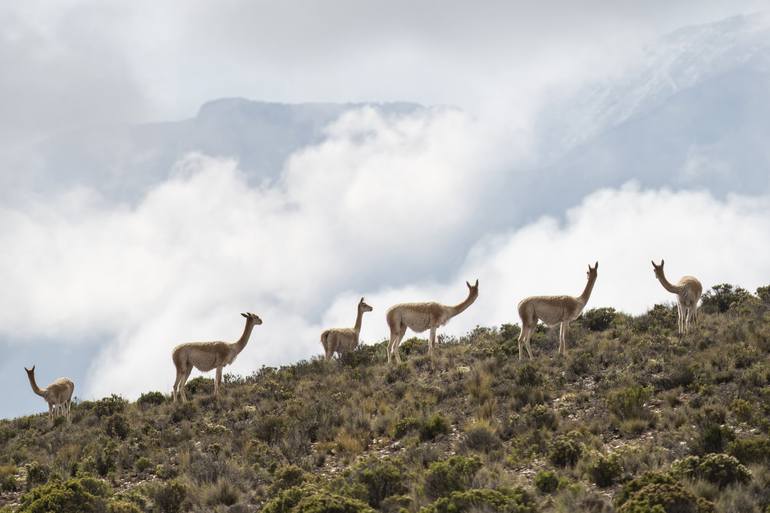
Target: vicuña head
{"x":592,"y":271}
{"x":252,"y":317}
{"x":30,"y":372}
{"x":363,"y":307}
{"x":658,"y":269}
{"x":473,"y":290}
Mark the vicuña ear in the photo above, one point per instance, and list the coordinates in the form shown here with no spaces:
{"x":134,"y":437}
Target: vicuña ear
{"x":662,"y":262}
{"x":245,"y":315}
{"x":477,"y":282}
{"x":362,"y":300}
{"x":596,"y":265}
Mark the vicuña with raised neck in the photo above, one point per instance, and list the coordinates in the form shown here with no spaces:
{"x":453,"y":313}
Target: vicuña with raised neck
{"x":344,"y":340}
{"x":553,"y":310}
{"x":205,"y":356}
{"x":58,"y":394}
{"x":423,"y":316}
{"x":688,"y":291}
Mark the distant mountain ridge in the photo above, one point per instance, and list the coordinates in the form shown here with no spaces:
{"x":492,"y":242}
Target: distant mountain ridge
{"x":123,"y":161}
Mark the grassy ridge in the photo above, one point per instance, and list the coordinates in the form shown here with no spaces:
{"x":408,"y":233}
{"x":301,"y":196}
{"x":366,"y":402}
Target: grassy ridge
{"x":635,"y":419}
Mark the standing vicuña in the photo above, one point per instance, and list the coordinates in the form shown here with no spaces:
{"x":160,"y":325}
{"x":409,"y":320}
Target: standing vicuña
{"x":422,"y":316}
{"x":687,"y":290}
{"x":58,"y":394}
{"x":205,"y":356}
{"x":344,"y":340}
{"x":553,"y":310}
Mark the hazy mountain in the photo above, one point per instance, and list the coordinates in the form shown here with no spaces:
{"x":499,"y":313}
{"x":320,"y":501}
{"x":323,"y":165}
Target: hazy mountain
{"x":691,"y":113}
{"x":122,"y":161}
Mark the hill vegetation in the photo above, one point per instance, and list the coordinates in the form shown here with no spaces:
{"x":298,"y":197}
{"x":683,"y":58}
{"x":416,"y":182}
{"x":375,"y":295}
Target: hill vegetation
{"x":635,"y":419}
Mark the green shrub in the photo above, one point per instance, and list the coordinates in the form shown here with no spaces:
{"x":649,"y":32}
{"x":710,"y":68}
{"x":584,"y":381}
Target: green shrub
{"x":529,"y":376}
{"x":481,"y":438}
{"x":665,"y":498}
{"x":288,"y":476}
{"x":648,"y":478}
{"x":454,"y":474}
{"x":404,"y":426}
{"x":84,"y":495}
{"x":657,"y":319}
{"x":313,"y":499}
{"x":7,"y":478}
{"x":628,"y":403}
{"x":546,"y":481}
{"x":223,"y":493}
{"x":719,"y":469}
{"x":122,"y":507}
{"x":433,"y":426}
{"x":565,"y":451}
{"x":110,"y":406}
{"x":37,"y":474}
{"x":199,"y":385}
{"x":142,"y":464}
{"x":714,"y":437}
{"x":598,"y":319}
{"x":477,"y":500}
{"x":270,"y":428}
{"x":543,"y":416}
{"x":381,"y":478}
{"x":170,"y":497}
{"x":117,"y":426}
{"x":183,"y":411}
{"x":753,"y":449}
{"x":150,"y":399}
{"x":605,"y":471}
{"x":722,"y":297}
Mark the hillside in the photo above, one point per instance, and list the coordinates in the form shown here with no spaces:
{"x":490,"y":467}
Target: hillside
{"x":633,"y":417}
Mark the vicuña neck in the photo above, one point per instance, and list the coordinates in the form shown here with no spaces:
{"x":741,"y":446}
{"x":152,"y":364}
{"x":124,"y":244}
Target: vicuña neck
{"x":35,"y":388}
{"x":359,"y":318}
{"x":667,"y":284}
{"x":241,"y":342}
{"x":459,"y":308}
{"x":587,"y":291}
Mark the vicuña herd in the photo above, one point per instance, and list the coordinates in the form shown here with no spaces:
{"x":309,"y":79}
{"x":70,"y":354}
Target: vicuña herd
{"x":419,"y":317}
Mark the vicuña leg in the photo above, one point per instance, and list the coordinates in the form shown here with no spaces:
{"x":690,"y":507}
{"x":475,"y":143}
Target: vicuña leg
{"x":218,"y":381}
{"x":524,"y":336}
{"x":431,"y":342}
{"x":182,"y":383}
{"x":399,"y":338}
{"x":680,"y":318}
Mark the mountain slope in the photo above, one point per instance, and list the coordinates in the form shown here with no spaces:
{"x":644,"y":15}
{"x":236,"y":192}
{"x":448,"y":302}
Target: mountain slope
{"x":480,"y":431}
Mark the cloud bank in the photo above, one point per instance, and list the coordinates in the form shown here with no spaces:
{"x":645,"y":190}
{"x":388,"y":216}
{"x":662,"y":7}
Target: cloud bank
{"x":367,"y":212}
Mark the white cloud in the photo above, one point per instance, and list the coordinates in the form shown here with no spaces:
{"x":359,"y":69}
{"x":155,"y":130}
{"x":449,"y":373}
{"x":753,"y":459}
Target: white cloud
{"x":717,"y":241}
{"x":375,"y":210}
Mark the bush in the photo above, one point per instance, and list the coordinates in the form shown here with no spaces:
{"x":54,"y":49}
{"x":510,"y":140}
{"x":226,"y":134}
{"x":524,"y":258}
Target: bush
{"x":719,"y":469}
{"x":546,"y":481}
{"x":454,"y":474}
{"x":270,"y":428}
{"x":754,"y":449}
{"x":142,"y":464}
{"x":722,"y":297}
{"x":433,"y":426}
{"x":513,"y":501}
{"x":37,"y":474}
{"x":170,"y":497}
{"x":404,"y":426}
{"x":565,"y":451}
{"x":312,"y":499}
{"x":714,"y":437}
{"x":83,"y":495}
{"x":529,"y":376}
{"x":605,"y":471}
{"x":598,"y":319}
{"x":117,"y":426}
{"x":481,"y":438}
{"x":665,"y":498}
{"x":381,"y":478}
{"x":657,"y":319}
{"x":628,"y":403}
{"x":150,"y":399}
{"x":122,"y":507}
{"x":109,"y":406}
{"x":288,"y":476}
{"x":7,"y":478}
{"x":649,"y":478}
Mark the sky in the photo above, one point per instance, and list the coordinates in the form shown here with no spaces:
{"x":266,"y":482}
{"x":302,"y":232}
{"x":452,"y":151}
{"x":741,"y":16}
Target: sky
{"x":549,"y":137}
